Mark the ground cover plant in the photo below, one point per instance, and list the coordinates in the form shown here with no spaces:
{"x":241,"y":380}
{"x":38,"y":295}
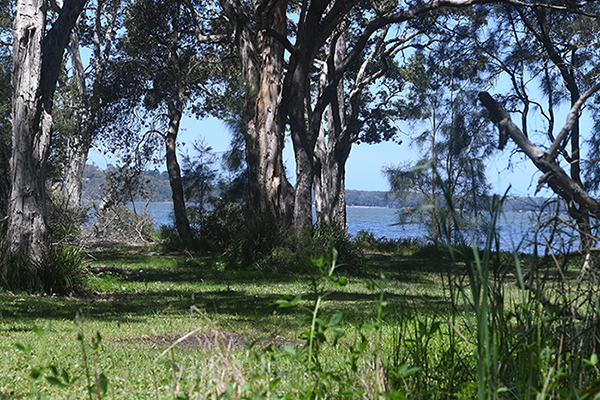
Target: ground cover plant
{"x":415,"y":322}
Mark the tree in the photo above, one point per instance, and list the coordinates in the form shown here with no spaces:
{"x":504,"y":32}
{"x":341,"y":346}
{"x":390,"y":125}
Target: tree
{"x":357,"y":113}
{"x":442,"y":85}
{"x":549,"y":47}
{"x":200,"y":177}
{"x":5,"y":110}
{"x":37,"y":58}
{"x":261,"y":58}
{"x":83,"y":108}
{"x":279,"y":96}
{"x":162,"y":72}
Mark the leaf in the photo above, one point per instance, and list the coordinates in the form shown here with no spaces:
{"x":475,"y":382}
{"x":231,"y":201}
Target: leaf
{"x":65,"y":376}
{"x":39,"y":331}
{"x":24,"y":348}
{"x":54,"y":381}
{"x":36,"y":372}
{"x":286,"y":301}
{"x":54,"y":370}
{"x":340,"y":282}
{"x":335,"y":319}
{"x":103,"y":383}
{"x":593,"y":361}
{"x":291,"y":350}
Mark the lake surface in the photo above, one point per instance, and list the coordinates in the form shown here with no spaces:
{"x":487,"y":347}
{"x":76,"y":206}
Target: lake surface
{"x":516,"y":230}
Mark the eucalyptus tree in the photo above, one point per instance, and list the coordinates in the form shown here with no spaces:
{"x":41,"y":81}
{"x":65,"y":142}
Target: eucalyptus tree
{"x":278,"y":91}
{"x":6,"y":16}
{"x":357,"y":113}
{"x":163,"y":69}
{"x":82,"y":112}
{"x":39,"y":40}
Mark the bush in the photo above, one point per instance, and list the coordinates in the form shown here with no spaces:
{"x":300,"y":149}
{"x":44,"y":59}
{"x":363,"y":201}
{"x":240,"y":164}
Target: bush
{"x":64,"y":222}
{"x":15,"y":274}
{"x":324,"y":240}
{"x":61,"y":271}
{"x":366,"y":241}
{"x":218,"y":230}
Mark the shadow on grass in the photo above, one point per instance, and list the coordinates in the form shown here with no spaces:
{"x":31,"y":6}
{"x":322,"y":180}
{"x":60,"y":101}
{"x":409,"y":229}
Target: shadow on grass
{"x":135,"y":306}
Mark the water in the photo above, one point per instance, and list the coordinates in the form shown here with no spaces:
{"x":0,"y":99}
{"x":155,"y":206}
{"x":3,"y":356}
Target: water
{"x":516,"y":229}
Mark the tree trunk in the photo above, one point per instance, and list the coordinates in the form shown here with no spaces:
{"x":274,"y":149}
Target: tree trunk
{"x":79,"y":143}
{"x":36,"y":63}
{"x":181,"y":220}
{"x":330,"y":186}
{"x":270,"y":195}
{"x":87,"y":109}
{"x":332,"y":151}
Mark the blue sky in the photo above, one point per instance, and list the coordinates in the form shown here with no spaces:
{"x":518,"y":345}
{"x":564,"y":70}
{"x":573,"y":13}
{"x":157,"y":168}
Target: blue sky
{"x":364,"y":167}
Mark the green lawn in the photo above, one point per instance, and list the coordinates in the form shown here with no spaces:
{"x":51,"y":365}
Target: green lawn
{"x":141,"y":314}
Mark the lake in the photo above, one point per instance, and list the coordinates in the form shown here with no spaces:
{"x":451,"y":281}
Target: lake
{"x":513,"y":227}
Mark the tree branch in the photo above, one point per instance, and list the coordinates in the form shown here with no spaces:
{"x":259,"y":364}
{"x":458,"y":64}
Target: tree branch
{"x":553,"y":174}
{"x":572,"y":118}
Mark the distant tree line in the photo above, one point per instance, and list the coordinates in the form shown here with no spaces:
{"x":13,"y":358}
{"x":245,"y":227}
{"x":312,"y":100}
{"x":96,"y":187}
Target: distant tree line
{"x":94,"y":184}
{"x":157,"y":183}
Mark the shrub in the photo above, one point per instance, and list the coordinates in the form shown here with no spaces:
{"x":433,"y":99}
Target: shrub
{"x":324,"y":240}
{"x":64,"y":222}
{"x":366,"y":241}
{"x":15,"y":273}
{"x":62,"y":270}
{"x":218,"y":230}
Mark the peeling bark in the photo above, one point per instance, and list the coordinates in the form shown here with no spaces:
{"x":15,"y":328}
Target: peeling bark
{"x":270,"y":195}
{"x":37,"y":58}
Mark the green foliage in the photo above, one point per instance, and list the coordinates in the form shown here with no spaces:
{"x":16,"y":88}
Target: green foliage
{"x":366,"y":241}
{"x":221,"y":229}
{"x":63,"y":270}
{"x":64,"y":222}
{"x":199,"y":177}
{"x":59,"y":377}
{"x":16,"y":274}
{"x":327,"y":239}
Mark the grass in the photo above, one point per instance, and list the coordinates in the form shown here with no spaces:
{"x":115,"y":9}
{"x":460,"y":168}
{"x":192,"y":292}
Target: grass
{"x":414,"y":347}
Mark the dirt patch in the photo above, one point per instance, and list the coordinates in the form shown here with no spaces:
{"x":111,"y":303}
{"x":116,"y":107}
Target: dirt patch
{"x":210,"y":341}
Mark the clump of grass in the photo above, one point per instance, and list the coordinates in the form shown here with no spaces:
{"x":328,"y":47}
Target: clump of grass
{"x":368,"y":242}
{"x":63,"y":270}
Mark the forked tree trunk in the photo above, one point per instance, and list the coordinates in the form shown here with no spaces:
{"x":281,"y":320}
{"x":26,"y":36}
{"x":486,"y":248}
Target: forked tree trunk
{"x":88,"y":109}
{"x":36,"y":63}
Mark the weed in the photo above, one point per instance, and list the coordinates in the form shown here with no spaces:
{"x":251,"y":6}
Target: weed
{"x":60,"y":377}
